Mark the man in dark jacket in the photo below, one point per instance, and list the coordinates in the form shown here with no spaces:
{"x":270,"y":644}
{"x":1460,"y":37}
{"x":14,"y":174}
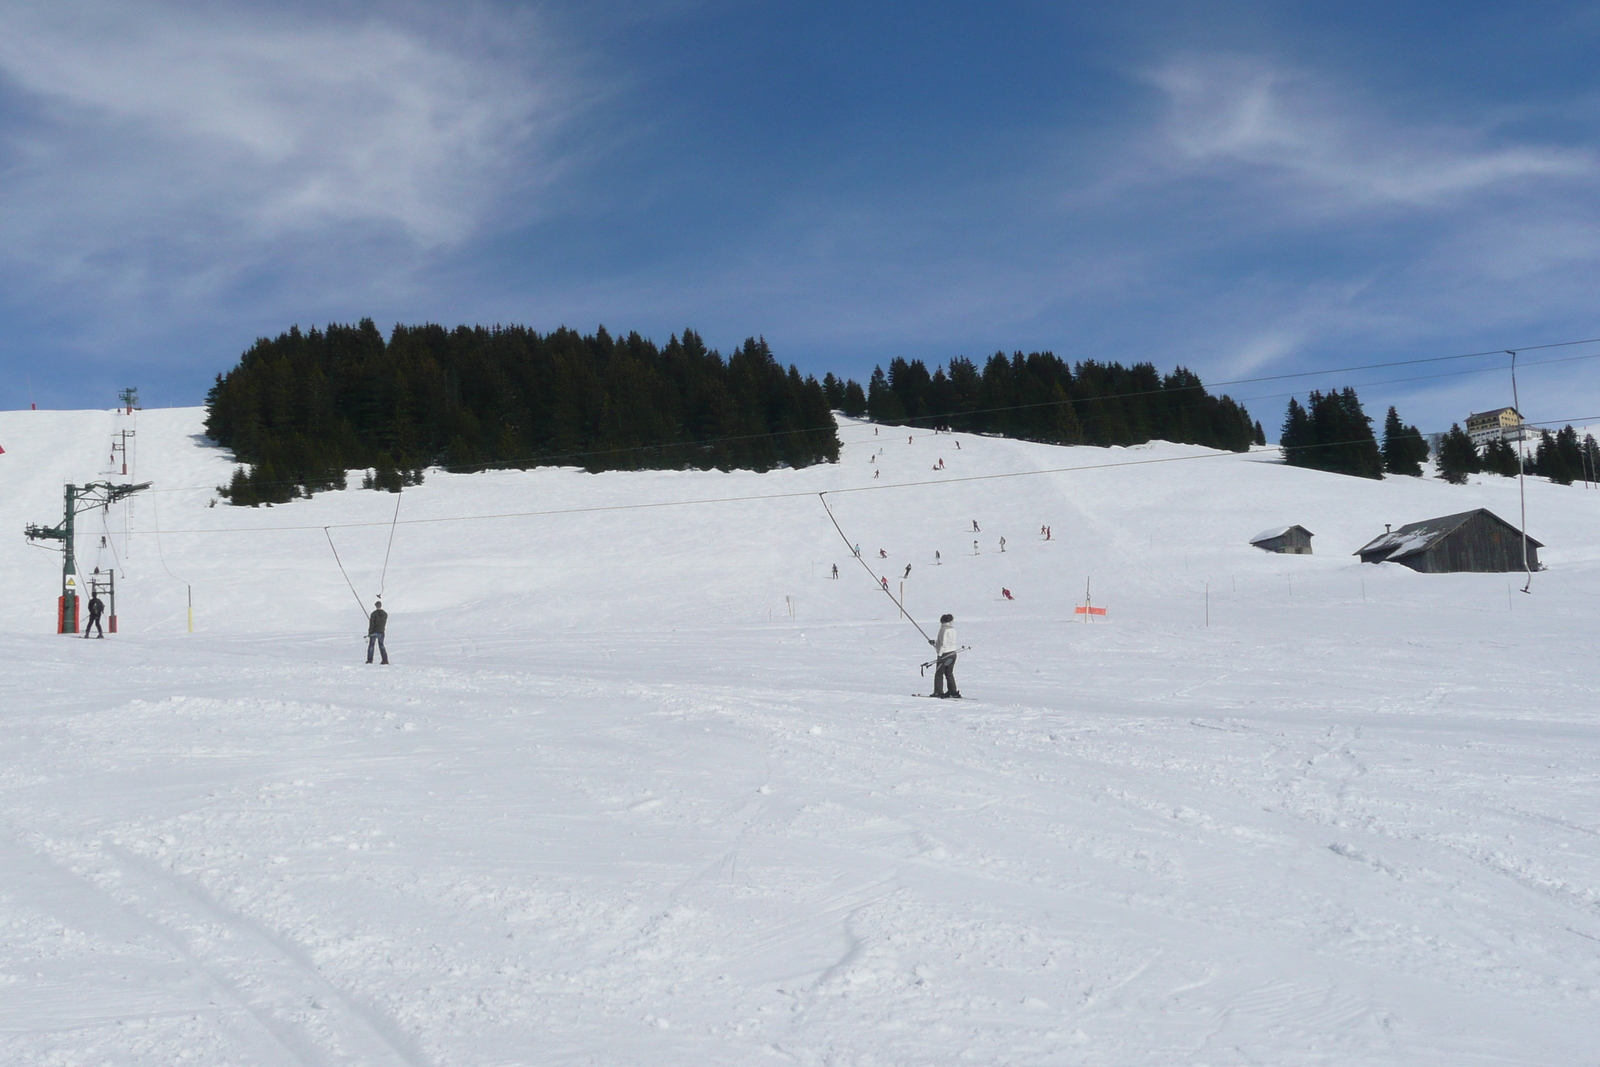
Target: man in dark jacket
{"x":97,"y":608}
{"x":375,"y":624}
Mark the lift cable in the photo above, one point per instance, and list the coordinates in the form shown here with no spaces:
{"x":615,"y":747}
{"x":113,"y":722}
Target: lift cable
{"x":880,"y":581}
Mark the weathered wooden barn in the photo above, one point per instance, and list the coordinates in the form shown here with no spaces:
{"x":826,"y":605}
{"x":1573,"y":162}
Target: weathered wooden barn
{"x":1476,"y":540}
{"x":1291,"y":540}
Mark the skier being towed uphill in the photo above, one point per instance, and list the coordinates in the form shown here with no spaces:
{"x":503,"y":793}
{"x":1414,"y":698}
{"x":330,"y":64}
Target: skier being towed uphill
{"x":376,"y":623}
{"x":944,"y":652}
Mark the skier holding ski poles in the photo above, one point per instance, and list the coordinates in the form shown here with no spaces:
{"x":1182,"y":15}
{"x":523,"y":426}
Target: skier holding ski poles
{"x":944,"y":652}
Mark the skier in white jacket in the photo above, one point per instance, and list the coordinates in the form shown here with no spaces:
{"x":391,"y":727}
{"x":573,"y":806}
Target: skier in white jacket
{"x":944,"y":652}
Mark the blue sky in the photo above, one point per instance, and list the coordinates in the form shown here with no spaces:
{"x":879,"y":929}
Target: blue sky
{"x":1246,"y":189}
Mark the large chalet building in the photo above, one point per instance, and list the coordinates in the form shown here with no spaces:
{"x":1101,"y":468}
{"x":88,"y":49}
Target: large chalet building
{"x":1501,"y":423}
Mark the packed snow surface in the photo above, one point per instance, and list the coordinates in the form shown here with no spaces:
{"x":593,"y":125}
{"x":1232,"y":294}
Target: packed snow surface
{"x":648,"y":786}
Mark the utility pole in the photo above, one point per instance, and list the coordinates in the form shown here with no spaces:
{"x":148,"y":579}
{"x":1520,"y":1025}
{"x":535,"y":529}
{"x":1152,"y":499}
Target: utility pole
{"x":76,"y":498}
{"x":121,"y":445}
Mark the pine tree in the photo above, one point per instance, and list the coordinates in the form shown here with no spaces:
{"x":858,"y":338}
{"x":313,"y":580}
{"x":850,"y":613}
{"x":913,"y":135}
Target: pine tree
{"x":1294,"y":438}
{"x":238,"y":491}
{"x":1331,"y":433}
{"x":1500,"y":458}
{"x":1355,"y":449}
{"x":1569,"y":454}
{"x":882,"y":403}
{"x":1403,"y":446}
{"x":1418,"y":446}
{"x":855,"y":400}
{"x":1550,"y":459}
{"x":1457,"y":456}
{"x":833,"y":388}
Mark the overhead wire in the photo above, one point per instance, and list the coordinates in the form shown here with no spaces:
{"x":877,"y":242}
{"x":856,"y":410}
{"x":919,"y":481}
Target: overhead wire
{"x":881,"y":487}
{"x":1434,"y":377}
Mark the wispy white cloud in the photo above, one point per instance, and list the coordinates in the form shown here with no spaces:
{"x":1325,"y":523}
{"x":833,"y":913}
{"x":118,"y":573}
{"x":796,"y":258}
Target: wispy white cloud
{"x":173,"y":150}
{"x":1231,"y":111}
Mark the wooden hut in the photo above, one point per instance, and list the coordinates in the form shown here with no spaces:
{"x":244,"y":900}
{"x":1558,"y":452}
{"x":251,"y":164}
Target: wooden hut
{"x":1291,"y":540}
{"x":1476,"y":540}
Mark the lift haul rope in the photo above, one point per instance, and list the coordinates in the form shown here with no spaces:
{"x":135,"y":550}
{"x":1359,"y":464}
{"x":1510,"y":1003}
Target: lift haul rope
{"x":383,"y":579}
{"x":877,"y":580}
{"x":359,"y":602}
{"x":155,"y":509}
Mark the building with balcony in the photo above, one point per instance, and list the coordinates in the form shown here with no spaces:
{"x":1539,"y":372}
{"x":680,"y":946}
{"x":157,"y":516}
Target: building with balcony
{"x":1499,"y":424}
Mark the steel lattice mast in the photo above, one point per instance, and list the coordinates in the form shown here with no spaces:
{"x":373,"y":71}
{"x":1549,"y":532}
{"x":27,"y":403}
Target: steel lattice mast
{"x":76,"y":498}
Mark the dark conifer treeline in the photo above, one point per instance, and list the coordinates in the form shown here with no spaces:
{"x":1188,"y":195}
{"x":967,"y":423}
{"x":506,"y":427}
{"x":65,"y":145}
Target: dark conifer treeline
{"x":1332,"y":433}
{"x":304,"y":407}
{"x":1038,"y":397}
{"x":1559,"y":456}
{"x":1562,"y":458}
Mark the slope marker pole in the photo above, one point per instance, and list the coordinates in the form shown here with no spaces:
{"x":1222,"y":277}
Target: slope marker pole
{"x":1522,"y":475}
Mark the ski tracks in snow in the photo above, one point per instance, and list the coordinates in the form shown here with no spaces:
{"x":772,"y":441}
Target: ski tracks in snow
{"x":274,"y":1004}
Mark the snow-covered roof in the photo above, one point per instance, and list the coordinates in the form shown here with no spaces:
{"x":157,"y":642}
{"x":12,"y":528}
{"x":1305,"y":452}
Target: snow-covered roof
{"x":1420,"y":536}
{"x":1277,"y":531}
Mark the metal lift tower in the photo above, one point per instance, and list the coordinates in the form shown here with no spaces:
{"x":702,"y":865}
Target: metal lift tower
{"x":78,"y":498}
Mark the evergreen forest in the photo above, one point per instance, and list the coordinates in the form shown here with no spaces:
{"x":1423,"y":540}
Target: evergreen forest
{"x":302,"y":408}
{"x":1038,"y":397}
{"x":1561,"y":457}
{"x":1332,"y":433}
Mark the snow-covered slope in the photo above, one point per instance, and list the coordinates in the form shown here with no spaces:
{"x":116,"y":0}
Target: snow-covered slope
{"x":647,"y":786}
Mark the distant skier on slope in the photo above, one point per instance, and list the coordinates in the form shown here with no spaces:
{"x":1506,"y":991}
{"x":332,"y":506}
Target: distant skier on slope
{"x":375,"y":626}
{"x":907,"y":574}
{"x":97,"y":608}
{"x":944,"y":653}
